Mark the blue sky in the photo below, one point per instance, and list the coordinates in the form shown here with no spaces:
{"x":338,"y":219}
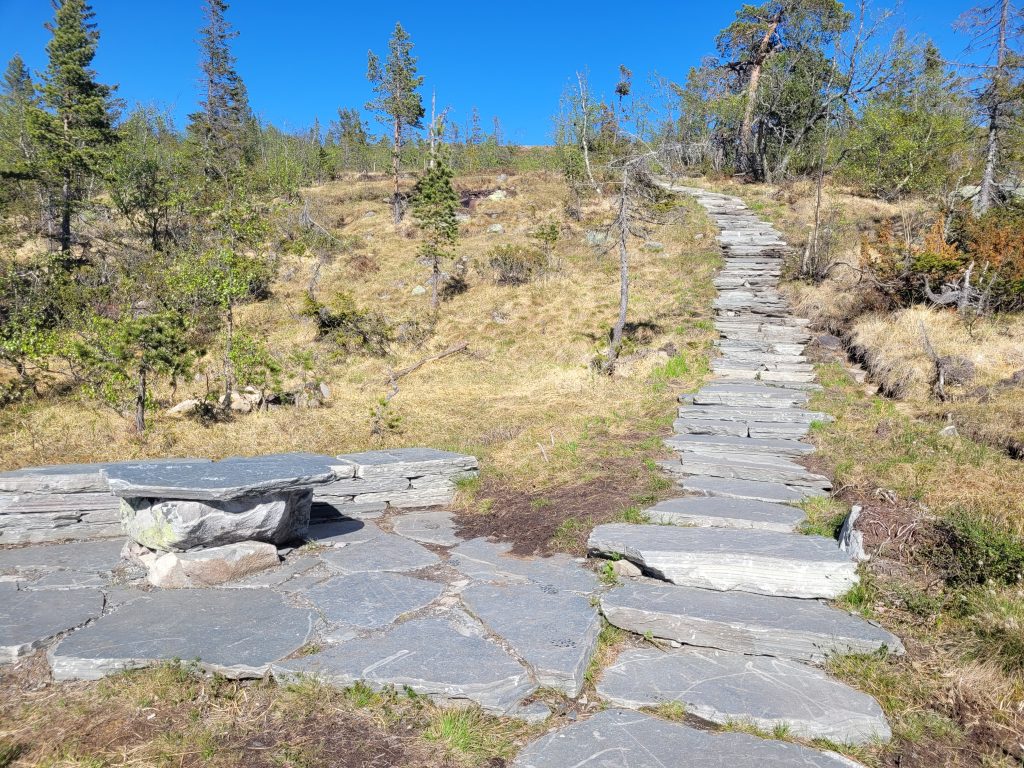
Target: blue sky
{"x":306,"y":58}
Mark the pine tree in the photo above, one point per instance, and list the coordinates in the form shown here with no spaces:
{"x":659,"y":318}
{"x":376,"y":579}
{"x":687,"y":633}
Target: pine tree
{"x":435,"y":203}
{"x":397,"y":104}
{"x":224,"y":128}
{"x":74,"y":129}
{"x":17,"y":99}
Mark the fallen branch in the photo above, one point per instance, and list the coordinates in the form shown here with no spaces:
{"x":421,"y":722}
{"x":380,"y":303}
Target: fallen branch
{"x":377,"y":424}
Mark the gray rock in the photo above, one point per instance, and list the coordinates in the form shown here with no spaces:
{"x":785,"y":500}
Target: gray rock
{"x":851,"y":540}
{"x":328,"y":510}
{"x":726,"y":513}
{"x":65,"y":579}
{"x":746,"y":414}
{"x":66,"y":478}
{"x":386,"y":552}
{"x":624,"y":569}
{"x":748,"y":489}
{"x":410,"y":462}
{"x":427,"y":527}
{"x":553,"y":631}
{"x":433,"y":657}
{"x":756,"y":690}
{"x":97,"y":556}
{"x":341,"y":533}
{"x":618,"y":738}
{"x":498,"y":195}
{"x":653,"y":246}
{"x":355,"y":486}
{"x":496,"y":229}
{"x":719,"y":444}
{"x":29,"y":619}
{"x":371,"y":600}
{"x":294,"y":565}
{"x":219,"y":629}
{"x":482,"y":560}
{"x":418,"y":290}
{"x":225,"y":480}
{"x":949,"y":431}
{"x":211,"y":566}
{"x":596,"y":237}
{"x":741,"y":622}
{"x":760,"y":467}
{"x":765,"y":562}
{"x":179,"y":525}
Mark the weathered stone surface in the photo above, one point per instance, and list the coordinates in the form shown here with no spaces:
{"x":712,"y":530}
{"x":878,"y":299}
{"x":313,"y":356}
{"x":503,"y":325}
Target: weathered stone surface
{"x":225,"y":634}
{"x":851,"y":540}
{"x":371,"y":600}
{"x":553,"y":631}
{"x":386,"y":552}
{"x":749,"y":394}
{"x":484,"y":561}
{"x":753,"y":466}
{"x":327,"y":509}
{"x":748,"y":489}
{"x":225,"y":480}
{"x":65,"y":478}
{"x":413,"y":498}
{"x":342,"y":532}
{"x":65,"y":579}
{"x":98,"y":556}
{"x":726,"y":513}
{"x":757,"y":690}
{"x":618,"y":738}
{"x":721,"y":444}
{"x":434,"y":657}
{"x":211,"y":566}
{"x":742,"y":622}
{"x":409,"y":462}
{"x":427,"y":527}
{"x":179,"y":525}
{"x":295,"y":565}
{"x":737,"y":413}
{"x":354,"y":486}
{"x":765,"y":562}
{"x":29,"y":619}
{"x":624,"y":569}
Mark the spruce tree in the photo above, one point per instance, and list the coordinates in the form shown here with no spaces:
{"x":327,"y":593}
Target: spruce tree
{"x":17,"y":99}
{"x":224,"y":128}
{"x":398,"y":105}
{"x":74,"y":129}
{"x":435,"y":203}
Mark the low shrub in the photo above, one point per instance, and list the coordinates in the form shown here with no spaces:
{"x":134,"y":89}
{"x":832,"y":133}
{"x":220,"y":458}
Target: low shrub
{"x":351,"y":329}
{"x":975,"y":551}
{"x":515,"y":264}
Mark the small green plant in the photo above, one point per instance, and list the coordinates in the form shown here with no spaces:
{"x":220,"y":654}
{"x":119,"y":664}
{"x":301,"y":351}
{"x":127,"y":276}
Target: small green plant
{"x":825,"y":516}
{"x":515,"y":264}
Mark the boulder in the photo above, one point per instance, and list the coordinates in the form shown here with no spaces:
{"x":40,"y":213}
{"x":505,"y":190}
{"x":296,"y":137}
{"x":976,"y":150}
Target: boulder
{"x":211,"y":567}
{"x":180,"y":525}
{"x":184,"y":408}
{"x":496,"y":229}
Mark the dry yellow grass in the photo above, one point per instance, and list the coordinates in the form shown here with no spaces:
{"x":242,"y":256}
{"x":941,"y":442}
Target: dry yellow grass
{"x":526,"y":382}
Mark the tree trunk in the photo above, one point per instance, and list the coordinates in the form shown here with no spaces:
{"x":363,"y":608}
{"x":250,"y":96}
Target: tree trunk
{"x":764,"y":50}
{"x":987,"y":195}
{"x":623,"y":227}
{"x":396,"y":159}
{"x":435,"y":279}
{"x":584,"y":138}
{"x":65,"y":217}
{"x":229,"y":378}
{"x":140,"y":403}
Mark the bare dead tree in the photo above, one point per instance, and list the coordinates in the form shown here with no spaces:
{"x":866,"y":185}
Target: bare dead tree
{"x":584,"y":137}
{"x":379,"y":421}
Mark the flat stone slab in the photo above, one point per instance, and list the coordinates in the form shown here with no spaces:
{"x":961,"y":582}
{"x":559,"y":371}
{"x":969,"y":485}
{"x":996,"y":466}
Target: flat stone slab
{"x":718,"y":444}
{"x":342,"y":532}
{"x":434,"y":657}
{"x":756,"y":690}
{"x":235,"y":635}
{"x":225,"y":480}
{"x":371,"y":600}
{"x":29,"y":619}
{"x":726,"y":513}
{"x":97,"y":556}
{"x":483,"y":560}
{"x":68,"y":478}
{"x":386,"y":552}
{"x":409,"y":462}
{"x":761,"y":467}
{"x":553,"y":631}
{"x":427,"y":527}
{"x":748,"y":489}
{"x":765,"y":562}
{"x":738,"y":413}
{"x":618,"y":738}
{"x":742,"y":622}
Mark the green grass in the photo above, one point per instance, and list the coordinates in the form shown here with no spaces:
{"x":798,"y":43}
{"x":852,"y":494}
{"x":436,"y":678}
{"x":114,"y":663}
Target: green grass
{"x":472,"y":735}
{"x":825,"y":516}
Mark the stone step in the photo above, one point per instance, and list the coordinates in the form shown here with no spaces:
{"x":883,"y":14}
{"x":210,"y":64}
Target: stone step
{"x":746,"y":467}
{"x":743,"y":622}
{"x":718,"y":444}
{"x":620,"y":738}
{"x":726,"y":513}
{"x":740,"y":413}
{"x":733,"y":373}
{"x":748,"y":489}
{"x":723,"y":688}
{"x":764,"y":562}
{"x":779,"y":348}
{"x":741,"y":394}
{"x":752,"y":429}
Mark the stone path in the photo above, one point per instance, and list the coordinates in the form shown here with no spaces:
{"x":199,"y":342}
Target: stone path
{"x":728,"y":606}
{"x":731,"y":594}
